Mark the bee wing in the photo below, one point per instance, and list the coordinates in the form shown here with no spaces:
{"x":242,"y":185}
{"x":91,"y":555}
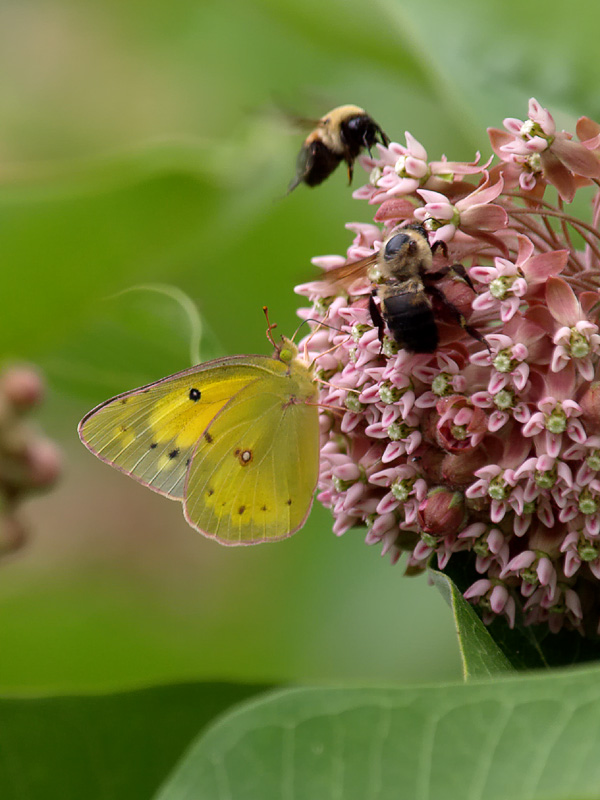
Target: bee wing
{"x":303,"y":123}
{"x":344,"y":276}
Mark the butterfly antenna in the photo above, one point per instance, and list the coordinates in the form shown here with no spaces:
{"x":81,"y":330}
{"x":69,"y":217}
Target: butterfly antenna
{"x":270,"y":327}
{"x":318,"y":323}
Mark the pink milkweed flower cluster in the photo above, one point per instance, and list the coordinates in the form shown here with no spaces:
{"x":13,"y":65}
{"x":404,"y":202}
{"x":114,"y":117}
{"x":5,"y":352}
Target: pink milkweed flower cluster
{"x":489,"y":450}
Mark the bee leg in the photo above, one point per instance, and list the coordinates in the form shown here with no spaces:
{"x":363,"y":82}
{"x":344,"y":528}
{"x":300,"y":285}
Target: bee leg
{"x":350,"y":171}
{"x":376,"y":318}
{"x":454,"y":312}
{"x":457,"y":269}
{"x":440,"y":245}
{"x":437,"y":275}
{"x":384,"y":139}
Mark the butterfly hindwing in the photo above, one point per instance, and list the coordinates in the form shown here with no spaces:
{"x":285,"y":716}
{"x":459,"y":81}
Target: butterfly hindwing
{"x":254,"y":472}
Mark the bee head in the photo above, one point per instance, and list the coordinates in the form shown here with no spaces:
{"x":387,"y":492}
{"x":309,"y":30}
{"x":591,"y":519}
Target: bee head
{"x":393,"y":246}
{"x":362,"y":130}
{"x":409,"y":240}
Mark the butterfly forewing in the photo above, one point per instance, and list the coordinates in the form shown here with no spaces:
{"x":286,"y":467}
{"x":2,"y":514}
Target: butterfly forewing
{"x":152,"y":432}
{"x":253,"y":474}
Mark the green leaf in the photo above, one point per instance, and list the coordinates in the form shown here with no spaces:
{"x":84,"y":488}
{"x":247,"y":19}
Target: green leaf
{"x":112,"y":747}
{"x":533,"y":737}
{"x":526,"y":646}
{"x":481,"y":656}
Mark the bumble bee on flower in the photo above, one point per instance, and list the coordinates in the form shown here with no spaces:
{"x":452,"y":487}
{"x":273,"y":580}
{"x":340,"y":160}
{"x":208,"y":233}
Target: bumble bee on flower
{"x":488,"y":440}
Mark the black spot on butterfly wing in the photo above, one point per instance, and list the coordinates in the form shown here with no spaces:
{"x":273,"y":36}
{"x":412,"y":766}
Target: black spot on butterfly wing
{"x":195,"y":394}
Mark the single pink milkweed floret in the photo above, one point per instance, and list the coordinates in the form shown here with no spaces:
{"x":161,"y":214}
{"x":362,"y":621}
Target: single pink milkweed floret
{"x":495,"y":596}
{"x":474,"y":213}
{"x":401,"y":170}
{"x":542,"y":151}
{"x":489,"y":543}
{"x":508,"y":283}
{"x":578,"y":339}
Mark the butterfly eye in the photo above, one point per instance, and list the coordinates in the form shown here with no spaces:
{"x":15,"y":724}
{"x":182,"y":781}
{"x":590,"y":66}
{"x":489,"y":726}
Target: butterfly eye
{"x":195,"y":395}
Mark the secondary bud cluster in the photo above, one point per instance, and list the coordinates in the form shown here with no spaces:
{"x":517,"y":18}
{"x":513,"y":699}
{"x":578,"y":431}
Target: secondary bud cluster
{"x":28,"y":461}
{"x":490,"y":449}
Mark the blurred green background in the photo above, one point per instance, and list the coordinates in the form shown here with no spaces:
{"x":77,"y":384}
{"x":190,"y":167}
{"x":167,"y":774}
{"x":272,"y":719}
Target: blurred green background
{"x":141,"y":143}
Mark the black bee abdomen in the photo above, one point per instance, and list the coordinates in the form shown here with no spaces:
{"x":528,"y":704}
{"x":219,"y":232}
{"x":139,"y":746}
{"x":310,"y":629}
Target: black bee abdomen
{"x":411,"y":322}
{"x":316,"y":162}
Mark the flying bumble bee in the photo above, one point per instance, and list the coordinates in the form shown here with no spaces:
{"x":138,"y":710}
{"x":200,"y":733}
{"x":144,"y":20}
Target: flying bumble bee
{"x":338,"y":136}
{"x":410,"y":303}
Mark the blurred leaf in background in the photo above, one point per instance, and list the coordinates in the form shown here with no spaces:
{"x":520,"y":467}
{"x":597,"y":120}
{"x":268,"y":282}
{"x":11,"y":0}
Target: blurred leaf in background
{"x":141,"y":143}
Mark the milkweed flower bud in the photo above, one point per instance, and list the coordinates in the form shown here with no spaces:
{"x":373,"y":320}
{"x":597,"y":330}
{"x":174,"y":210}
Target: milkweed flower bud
{"x":442,"y":513}
{"x":28,"y":461}
{"x":489,"y":446}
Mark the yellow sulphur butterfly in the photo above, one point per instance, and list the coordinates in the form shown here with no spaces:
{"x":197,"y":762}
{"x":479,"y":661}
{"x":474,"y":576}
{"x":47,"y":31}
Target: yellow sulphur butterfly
{"x":235,"y":439}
